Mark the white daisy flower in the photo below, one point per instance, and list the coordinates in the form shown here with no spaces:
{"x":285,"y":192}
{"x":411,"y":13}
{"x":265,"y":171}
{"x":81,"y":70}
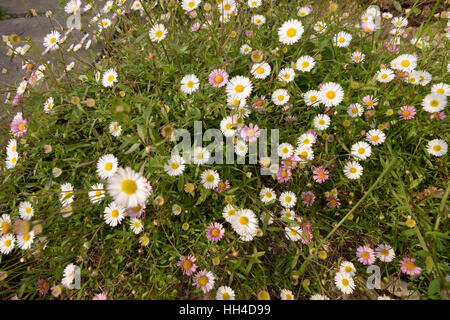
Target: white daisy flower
{"x":344,"y":283}
{"x":138,"y":6}
{"x":331,"y":94}
{"x":261,"y":70}
{"x":312,"y":98}
{"x":97,"y":193}
{"x":127,"y":187}
{"x":355,"y":110}
{"x":306,"y":139}
{"x":245,"y":49}
{"x":107,"y":166}
{"x":109,"y":78}
{"x":287,"y":214}
{"x":241,"y":148}
{"x":342,"y":39}
{"x":280,"y":97}
{"x":175,"y":166}
{"x":347,"y":268}
{"x":5,"y":224}
{"x":25,"y":241}
{"x":424,"y":77}
{"x":7,"y":243}
{"x":72,"y":6}
{"x":228,"y":126}
{"x":254,"y":3}
{"x":158,"y":32}
{"x":387,"y":15}
{"x":288,"y":199}
{"x":22,"y":87}
{"x":26,"y":210}
{"x":200,"y":155}
{"x":322,"y":122}
{"x":11,"y":147}
{"x":11,"y":160}
{"x":115,"y":129}
{"x":210,"y":179}
{"x":353,"y":170}
{"x":68,"y":275}
{"x":305,"y":63}
{"x":290,"y":32}
{"x":245,"y":223}
{"x":384,"y":253}
{"x":285,"y":150}
{"x":437,"y":147}
{"x":304,"y":153}
{"x":286,"y":75}
{"x":189,"y":83}
{"x":176,"y":209}
{"x":258,"y":19}
{"x":136,"y":225}
{"x":293,"y":233}
{"x":239,"y":87}
{"x":385,"y":75}
{"x":361,"y":150}
{"x":375,"y":137}
{"x":66,"y":195}
{"x":267,"y":195}
{"x":104,"y":23}
{"x":404,"y":62}
{"x":228,"y":212}
{"x":434,"y":102}
{"x":399,"y":22}
{"x":303,"y":11}
{"x":320,"y":27}
{"x":113,"y":214}
{"x":225,"y":293}
{"x":441,"y":88}
{"x":48,"y":106}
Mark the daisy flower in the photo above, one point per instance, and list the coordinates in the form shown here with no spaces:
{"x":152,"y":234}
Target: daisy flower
{"x":322,"y":122}
{"x":215,"y":232}
{"x":375,"y":137}
{"x":370,"y":101}
{"x":244,"y":222}
{"x":285,"y":150}
{"x":137,"y":211}
{"x":320,"y":174}
{"x":307,"y":139}
{"x":250,"y":133}
{"x":66,"y":195}
{"x":305,"y":63}
{"x":204,"y":280}
{"x":424,"y":77}
{"x":437,"y":147}
{"x":288,"y":199}
{"x":48,"y":105}
{"x":136,"y":225}
{"x":287,"y":214}
{"x":353,"y":170}
{"x":347,"y":268}
{"x":361,"y":150}
{"x":245,"y":49}
{"x":384,"y":253}
{"x":239,"y":87}
{"x":260,"y":70}
{"x":267,"y":195}
{"x":241,"y":148}
{"x":210,"y":179}
{"x":127,"y":187}
{"x":25,"y":241}
{"x":344,"y":283}
{"x":385,"y":75}
{"x":404,"y":62}
{"x":97,"y":193}
{"x":218,"y":78}
{"x":434,"y":102}
{"x":407,"y":112}
{"x":51,"y":40}
{"x":318,"y":297}
{"x":43,"y":286}
{"x":200,"y":156}
{"x":258,"y":19}
{"x":68,"y":275}
{"x":308,"y":198}
{"x":290,"y":31}
{"x":113,"y":214}
{"x":109,"y":78}
{"x":286,"y":294}
{"x":408,"y":267}
{"x":26,"y":210}
{"x":399,"y":22}
{"x":286,"y":74}
{"x":280,"y":97}
{"x":187,"y":264}
{"x":228,"y":212}
{"x":189,"y":5}
{"x":72,"y":6}
{"x":342,"y":39}
{"x":176,"y":210}
{"x":228,"y":126}
{"x":303,"y":154}
{"x":386,"y":15}
{"x":158,"y":32}
{"x":283,"y":174}
{"x":107,"y":166}
{"x":312,"y":98}
{"x":320,"y":27}
{"x":11,"y":160}
{"x":441,"y":88}
{"x":7,"y":243}
{"x":225,"y":293}
{"x":304,"y":11}
{"x":18,"y":125}
{"x":365,"y":255}
{"x":5,"y":224}
{"x":104,"y":23}
{"x":254,"y":3}
{"x":293,"y":233}
{"x":331,"y":94}
{"x":189,"y":83}
{"x":11,"y":148}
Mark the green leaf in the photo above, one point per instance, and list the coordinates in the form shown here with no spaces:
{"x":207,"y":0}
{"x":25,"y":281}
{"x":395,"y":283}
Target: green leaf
{"x":435,"y":286}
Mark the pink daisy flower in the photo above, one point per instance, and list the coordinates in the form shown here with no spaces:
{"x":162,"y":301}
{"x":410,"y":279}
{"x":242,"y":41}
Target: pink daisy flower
{"x":259,"y":103}
{"x":222,"y":186}
{"x":250,"y":133}
{"x":369,"y":26}
{"x":218,"y":78}
{"x":187,"y":264}
{"x":407,"y":112}
{"x":283,"y":174}
{"x":438,"y":116}
{"x":100,"y":296}
{"x":43,"y":286}
{"x":408,"y":267}
{"x":370,"y":101}
{"x":204,"y":280}
{"x":17,"y":126}
{"x":136,"y":212}
{"x":289,"y":163}
{"x":195,"y":26}
{"x":305,"y":225}
{"x":215,"y":232}
{"x":365,"y":255}
{"x":263,"y":217}
{"x":307,"y":236}
{"x":149,"y":188}
{"x":16,"y":100}
{"x":333,"y":202}
{"x":308,"y":198}
{"x":320,"y":174}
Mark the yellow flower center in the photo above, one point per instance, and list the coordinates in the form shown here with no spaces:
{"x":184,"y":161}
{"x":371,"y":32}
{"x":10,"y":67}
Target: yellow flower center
{"x":98,"y":193}
{"x":288,"y":199}
{"x":312,"y":98}
{"x":175,"y":165}
{"x":218,"y":79}
{"x":191,"y":4}
{"x":410,"y":265}
{"x":243,"y":220}
{"x":369,"y":103}
{"x":293,"y":232}
{"x":434,"y":103}
{"x":260,"y":70}
{"x":341,"y":40}
{"x":440,"y":91}
{"x":26,"y":237}
{"x":225,"y":296}
{"x":215,"y":232}
{"x":203,"y":280}
{"x":437,"y":148}
{"x":365,"y":255}
{"x":291,"y":32}
{"x":52,"y":40}
{"x":321,"y":122}
{"x":21,"y":127}
{"x":361,"y":150}
{"x":190,"y":84}
{"x":7,"y":243}
{"x":345,"y":282}
{"x":210,"y":178}
{"x":231,"y":212}
{"x":268,"y":195}
{"x":280,"y":97}
{"x":352,"y":170}
{"x":375,"y":138}
{"x":384,"y":76}
{"x":405,"y":63}
{"x":129,"y":186}
{"x":187,"y":264}
{"x":331,"y":94}
{"x":384,"y":252}
{"x":305,"y":64}
{"x":348,"y":269}
{"x":239,"y":88}
{"x":158,"y":33}
{"x":115,"y":213}
{"x":108,"y":166}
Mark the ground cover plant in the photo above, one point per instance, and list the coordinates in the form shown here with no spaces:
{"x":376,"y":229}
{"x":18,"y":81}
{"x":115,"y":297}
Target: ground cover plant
{"x":95,"y":203}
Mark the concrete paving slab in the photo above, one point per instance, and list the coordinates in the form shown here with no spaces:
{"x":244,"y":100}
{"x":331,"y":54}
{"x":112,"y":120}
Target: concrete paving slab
{"x":22,"y":7}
